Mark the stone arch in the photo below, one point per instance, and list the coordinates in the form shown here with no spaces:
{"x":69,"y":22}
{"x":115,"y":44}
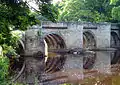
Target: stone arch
{"x":89,"y":41}
{"x":114,"y":43}
{"x":54,"y":62}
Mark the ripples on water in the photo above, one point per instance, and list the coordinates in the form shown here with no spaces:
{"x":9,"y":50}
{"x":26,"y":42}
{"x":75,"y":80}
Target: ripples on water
{"x":104,"y":79}
{"x":91,"y":77}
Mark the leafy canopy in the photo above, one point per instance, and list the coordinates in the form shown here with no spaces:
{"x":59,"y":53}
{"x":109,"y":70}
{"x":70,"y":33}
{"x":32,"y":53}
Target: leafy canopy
{"x":89,"y":10}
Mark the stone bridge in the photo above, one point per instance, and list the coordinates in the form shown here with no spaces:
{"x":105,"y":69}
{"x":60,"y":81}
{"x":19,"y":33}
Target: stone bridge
{"x":69,"y":35}
{"x":84,"y":35}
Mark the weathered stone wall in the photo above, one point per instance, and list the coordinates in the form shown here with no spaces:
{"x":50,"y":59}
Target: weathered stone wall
{"x":101,"y":33}
{"x":34,"y":58}
{"x":72,"y":36}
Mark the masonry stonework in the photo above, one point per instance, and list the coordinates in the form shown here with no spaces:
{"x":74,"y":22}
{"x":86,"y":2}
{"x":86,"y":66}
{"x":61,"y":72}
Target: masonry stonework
{"x":74,"y":36}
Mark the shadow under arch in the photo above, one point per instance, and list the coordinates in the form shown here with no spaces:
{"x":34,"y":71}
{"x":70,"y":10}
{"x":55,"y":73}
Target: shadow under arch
{"x":54,"y":62}
{"x":17,"y":65}
{"x":89,"y":41}
{"x":115,"y":56}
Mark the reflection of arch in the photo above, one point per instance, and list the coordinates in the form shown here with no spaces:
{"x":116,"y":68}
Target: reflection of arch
{"x":53,"y":62}
{"x":17,"y":66}
{"x":114,"y":43}
{"x":89,"y":42}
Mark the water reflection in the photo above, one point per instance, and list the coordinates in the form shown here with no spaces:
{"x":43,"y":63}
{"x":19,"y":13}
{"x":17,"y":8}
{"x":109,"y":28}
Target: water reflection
{"x":80,"y":76}
{"x":91,"y":77}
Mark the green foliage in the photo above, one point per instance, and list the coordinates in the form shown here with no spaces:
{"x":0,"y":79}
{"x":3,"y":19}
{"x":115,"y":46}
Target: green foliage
{"x":12,"y":16}
{"x":115,"y":10}
{"x":17,"y":84}
{"x":49,"y":11}
{"x":66,"y":84}
{"x":71,"y":10}
{"x":4,"y":63}
{"x":85,"y":10}
{"x":16,"y":15}
{"x":116,"y":13}
{"x":113,"y":1}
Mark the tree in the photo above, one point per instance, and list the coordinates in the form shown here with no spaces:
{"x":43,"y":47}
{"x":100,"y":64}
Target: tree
{"x":12,"y":17}
{"x":15,"y":14}
{"x":115,"y":10}
{"x":71,"y":10}
{"x":116,"y":14}
{"x":85,"y":10}
{"x":49,"y":11}
{"x":100,"y":7}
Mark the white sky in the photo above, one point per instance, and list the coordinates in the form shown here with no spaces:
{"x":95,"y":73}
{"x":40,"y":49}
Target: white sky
{"x":34,"y":5}
{"x":55,"y":1}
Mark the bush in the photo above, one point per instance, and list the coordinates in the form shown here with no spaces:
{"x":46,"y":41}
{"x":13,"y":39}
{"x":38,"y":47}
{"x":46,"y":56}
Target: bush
{"x":4,"y":64}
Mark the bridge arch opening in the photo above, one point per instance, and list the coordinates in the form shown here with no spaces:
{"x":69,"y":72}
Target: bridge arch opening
{"x":89,"y":42}
{"x":114,"y":43}
{"x":54,"y":61}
